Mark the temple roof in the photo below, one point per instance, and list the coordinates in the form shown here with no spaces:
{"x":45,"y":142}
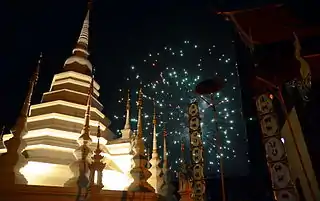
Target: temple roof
{"x":269,"y":24}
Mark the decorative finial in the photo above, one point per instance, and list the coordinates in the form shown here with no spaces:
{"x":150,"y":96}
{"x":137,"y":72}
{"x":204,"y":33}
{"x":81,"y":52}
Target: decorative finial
{"x":97,"y":165}
{"x":139,"y":125}
{"x":165,"y":153}
{"x":127,"y":125}
{"x":22,"y":119}
{"x":98,"y":136}
{"x":155,"y":180}
{"x":12,"y":161}
{"x":83,"y":40}
{"x":85,"y":133}
{"x":154,"y":121}
{"x":139,"y":172}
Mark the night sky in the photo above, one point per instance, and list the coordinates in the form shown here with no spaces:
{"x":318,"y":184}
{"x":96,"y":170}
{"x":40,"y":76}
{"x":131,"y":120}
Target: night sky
{"x":121,"y":34}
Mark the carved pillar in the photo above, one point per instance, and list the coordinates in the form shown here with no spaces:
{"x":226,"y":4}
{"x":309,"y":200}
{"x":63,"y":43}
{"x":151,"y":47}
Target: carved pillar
{"x":284,"y":189}
{"x":197,"y":159}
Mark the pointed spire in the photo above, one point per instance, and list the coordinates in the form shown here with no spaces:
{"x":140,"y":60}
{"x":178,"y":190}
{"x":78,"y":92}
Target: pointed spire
{"x":84,"y":34}
{"x":79,"y":62}
{"x":166,"y":189}
{"x":12,"y":161}
{"x":24,"y":113}
{"x":85,"y":133}
{"x":83,"y":40}
{"x":139,"y":172}
{"x":155,"y":180}
{"x":154,"y":121}
{"x":127,"y":125}
{"x":97,"y":165}
{"x":139,"y":124}
{"x":126,"y":131}
{"x":98,"y":136}
{"x":165,"y":152}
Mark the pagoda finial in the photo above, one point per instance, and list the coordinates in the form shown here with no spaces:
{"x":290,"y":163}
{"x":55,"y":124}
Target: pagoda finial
{"x":85,"y":133}
{"x":139,"y":172}
{"x":20,"y":125}
{"x":126,"y":131}
{"x":97,"y":165}
{"x":79,"y":62}
{"x":166,"y":189}
{"x":184,"y":179}
{"x":154,"y":121}
{"x":83,"y":40}
{"x":127,"y":125}
{"x":139,"y":125}
{"x":155,"y":180}
{"x":165,"y":152}
{"x":12,"y":161}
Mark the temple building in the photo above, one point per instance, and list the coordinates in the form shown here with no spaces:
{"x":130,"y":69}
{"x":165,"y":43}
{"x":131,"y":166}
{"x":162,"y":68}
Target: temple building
{"x":278,"y":59}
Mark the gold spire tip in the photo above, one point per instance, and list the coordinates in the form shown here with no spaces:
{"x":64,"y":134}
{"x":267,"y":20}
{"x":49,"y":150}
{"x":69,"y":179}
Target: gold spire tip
{"x":140,"y":97}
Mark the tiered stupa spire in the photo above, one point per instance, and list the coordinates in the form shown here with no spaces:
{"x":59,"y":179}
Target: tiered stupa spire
{"x":97,"y":165}
{"x":80,"y":168}
{"x":12,"y":161}
{"x":126,"y":131}
{"x":185,"y":189}
{"x":139,"y":172}
{"x":155,"y":179}
{"x":167,"y":189}
{"x":79,"y":62}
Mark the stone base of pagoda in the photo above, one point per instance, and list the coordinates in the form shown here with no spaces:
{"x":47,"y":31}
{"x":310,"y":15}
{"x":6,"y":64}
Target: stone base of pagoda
{"x":40,"y":193}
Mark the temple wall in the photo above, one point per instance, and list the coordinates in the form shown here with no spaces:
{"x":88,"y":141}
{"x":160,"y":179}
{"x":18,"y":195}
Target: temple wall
{"x":293,"y":157}
{"x":49,"y":174}
{"x":41,"y":193}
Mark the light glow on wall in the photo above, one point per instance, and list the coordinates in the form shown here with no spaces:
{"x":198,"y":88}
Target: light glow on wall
{"x":76,"y":82}
{"x":48,"y":174}
{"x":75,"y":75}
{"x":66,"y":118}
{"x":60,"y":134}
{"x":48,"y":147}
{"x":71,"y":91}
{"x":67,"y":104}
{"x":113,"y":180}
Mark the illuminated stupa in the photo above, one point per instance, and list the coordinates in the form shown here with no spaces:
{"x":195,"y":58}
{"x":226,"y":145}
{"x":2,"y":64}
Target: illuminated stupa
{"x":54,"y":126}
